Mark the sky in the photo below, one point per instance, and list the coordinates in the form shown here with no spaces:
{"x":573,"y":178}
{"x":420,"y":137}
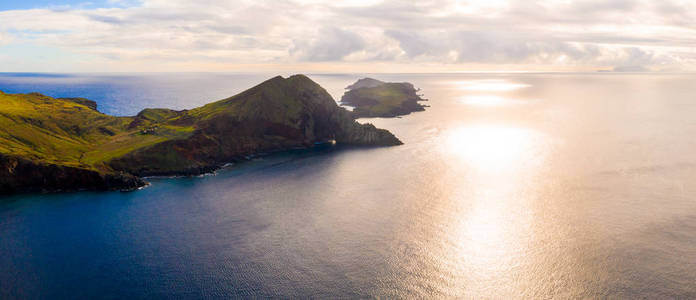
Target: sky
{"x":347,"y":36}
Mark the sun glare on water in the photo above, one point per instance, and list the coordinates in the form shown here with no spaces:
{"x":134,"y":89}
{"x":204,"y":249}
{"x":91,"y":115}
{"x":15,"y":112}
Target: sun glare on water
{"x":490,"y":85}
{"x":489,"y":92}
{"x":489,"y":100}
{"x":499,"y":167}
{"x":490,"y":148}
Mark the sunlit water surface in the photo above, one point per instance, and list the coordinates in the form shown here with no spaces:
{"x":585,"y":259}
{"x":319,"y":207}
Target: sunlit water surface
{"x":508,"y":186}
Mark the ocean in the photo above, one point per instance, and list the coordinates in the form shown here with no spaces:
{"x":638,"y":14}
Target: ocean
{"x":509,"y":186}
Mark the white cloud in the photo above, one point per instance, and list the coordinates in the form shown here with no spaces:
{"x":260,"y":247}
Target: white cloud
{"x":330,"y":44}
{"x":621,"y":34}
{"x":5,"y":38}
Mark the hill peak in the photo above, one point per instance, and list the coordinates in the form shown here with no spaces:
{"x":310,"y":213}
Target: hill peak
{"x":365,"y":83}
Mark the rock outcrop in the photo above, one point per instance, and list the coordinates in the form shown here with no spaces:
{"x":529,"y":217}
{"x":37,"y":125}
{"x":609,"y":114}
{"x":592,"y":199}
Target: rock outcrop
{"x":373,"y":98}
{"x":66,"y":144}
{"x":22,"y":175}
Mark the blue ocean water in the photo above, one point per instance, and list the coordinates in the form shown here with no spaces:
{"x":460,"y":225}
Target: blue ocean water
{"x":508,"y":186}
{"x":127,"y":94}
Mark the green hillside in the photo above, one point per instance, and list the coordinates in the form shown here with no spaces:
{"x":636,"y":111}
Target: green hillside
{"x":61,"y":131}
{"x":40,"y":133}
{"x":374,"y":98}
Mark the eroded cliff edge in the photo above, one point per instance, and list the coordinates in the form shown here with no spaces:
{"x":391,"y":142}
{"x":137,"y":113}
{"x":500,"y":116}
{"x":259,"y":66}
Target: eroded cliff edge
{"x":373,"y":98}
{"x":51,"y":144}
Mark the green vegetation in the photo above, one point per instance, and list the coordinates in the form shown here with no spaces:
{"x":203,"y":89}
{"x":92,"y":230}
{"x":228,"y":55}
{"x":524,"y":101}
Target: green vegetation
{"x":374,"y":98}
{"x":68,"y":137}
{"x":61,"y":131}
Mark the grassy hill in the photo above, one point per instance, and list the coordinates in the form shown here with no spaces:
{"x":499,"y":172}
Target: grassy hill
{"x":62,"y":131}
{"x":69,"y":136}
{"x":374,"y":98}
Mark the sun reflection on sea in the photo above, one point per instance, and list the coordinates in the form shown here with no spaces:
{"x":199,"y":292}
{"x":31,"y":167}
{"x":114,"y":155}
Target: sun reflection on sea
{"x":500,"y":165}
{"x":489,"y":92}
{"x":484,"y":100}
{"x":490,"y":85}
{"x":491,"y":148}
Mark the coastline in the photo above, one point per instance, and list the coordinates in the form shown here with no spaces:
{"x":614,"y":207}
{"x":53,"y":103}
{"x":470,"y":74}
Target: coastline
{"x":277,"y":115}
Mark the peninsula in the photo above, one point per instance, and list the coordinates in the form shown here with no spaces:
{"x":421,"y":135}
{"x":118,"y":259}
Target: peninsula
{"x":64,"y":144}
{"x":373,"y":98}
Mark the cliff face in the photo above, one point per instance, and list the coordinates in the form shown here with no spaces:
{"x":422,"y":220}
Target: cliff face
{"x":66,"y":144}
{"x":21,"y":175}
{"x":278,"y":114}
{"x":374,"y":98}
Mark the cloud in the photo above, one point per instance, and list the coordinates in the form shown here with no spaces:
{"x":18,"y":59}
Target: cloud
{"x":621,"y":34}
{"x":331,"y":44}
{"x":106,"y":19}
{"x":602,"y":6}
{"x":412,"y":43}
{"x":630,"y":69}
{"x":5,"y":38}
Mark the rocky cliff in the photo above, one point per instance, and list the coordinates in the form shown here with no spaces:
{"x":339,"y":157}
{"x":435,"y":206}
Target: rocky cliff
{"x":66,"y":144}
{"x":373,"y":98}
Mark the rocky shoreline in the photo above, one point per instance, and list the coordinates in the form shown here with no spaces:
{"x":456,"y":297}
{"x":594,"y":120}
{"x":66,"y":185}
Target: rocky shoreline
{"x":115,"y":153}
{"x":23,"y":175}
{"x":372,"y":98}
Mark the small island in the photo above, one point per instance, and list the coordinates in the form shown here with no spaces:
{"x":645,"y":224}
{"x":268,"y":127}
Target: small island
{"x":373,"y":98}
{"x":65,"y":144}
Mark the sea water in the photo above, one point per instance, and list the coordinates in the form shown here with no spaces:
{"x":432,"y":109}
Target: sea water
{"x":508,"y":186}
